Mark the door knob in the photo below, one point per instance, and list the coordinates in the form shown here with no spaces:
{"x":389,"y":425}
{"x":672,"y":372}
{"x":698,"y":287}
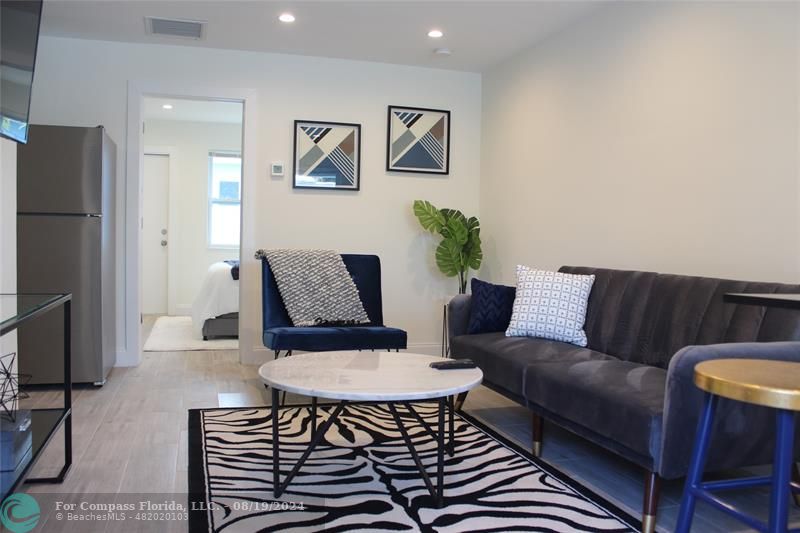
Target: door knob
{"x":163,"y":243}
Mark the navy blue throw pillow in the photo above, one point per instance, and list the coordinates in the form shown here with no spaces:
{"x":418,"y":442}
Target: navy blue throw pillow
{"x":491,"y":307}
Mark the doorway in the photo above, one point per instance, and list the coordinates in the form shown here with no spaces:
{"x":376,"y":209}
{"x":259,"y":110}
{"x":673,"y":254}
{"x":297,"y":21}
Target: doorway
{"x":190,"y":223}
{"x":155,"y":235}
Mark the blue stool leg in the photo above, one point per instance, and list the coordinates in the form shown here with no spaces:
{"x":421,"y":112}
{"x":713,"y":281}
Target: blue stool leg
{"x":697,"y":464}
{"x":781,"y":472}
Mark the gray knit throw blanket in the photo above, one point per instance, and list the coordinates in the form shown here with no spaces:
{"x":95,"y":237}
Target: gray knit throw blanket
{"x":316,"y":287}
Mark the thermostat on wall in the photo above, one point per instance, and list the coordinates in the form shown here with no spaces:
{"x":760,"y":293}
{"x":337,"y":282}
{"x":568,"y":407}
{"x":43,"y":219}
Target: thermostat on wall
{"x":277,"y":169}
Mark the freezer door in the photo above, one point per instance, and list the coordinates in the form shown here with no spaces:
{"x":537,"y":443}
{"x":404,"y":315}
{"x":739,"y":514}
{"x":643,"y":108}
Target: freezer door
{"x":61,"y":254}
{"x":60,"y":170}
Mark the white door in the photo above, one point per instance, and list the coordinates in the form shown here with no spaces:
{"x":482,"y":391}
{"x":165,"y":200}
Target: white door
{"x":155,"y":213}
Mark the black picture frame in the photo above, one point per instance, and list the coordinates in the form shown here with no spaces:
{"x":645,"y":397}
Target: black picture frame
{"x":339,"y":161}
{"x":438,"y":152}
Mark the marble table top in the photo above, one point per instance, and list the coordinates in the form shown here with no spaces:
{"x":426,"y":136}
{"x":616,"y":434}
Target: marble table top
{"x":367,"y":376}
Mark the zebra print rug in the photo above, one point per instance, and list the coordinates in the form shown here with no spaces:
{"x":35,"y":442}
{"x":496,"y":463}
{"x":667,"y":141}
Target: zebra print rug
{"x":362,"y":478}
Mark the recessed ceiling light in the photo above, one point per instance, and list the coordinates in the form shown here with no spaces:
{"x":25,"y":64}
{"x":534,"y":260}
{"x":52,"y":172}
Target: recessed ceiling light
{"x":435,"y":34}
{"x":166,"y":106}
{"x":286,"y":17}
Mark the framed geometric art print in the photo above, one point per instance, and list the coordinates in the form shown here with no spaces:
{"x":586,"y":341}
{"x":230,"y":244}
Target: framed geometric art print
{"x":327,"y":155}
{"x":418,"y":140}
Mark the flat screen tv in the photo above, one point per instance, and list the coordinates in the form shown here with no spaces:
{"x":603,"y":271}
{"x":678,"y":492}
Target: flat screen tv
{"x":19,"y":36}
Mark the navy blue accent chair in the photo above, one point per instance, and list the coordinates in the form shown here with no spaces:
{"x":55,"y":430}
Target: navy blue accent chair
{"x":280,"y":334}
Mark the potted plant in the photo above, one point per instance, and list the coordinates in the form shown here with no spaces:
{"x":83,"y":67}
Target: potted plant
{"x":460,"y":248}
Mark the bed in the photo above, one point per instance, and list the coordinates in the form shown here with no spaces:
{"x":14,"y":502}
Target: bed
{"x":215,"y":311}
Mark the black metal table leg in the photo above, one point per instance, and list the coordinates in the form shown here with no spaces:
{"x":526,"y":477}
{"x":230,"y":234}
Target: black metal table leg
{"x":62,"y":474}
{"x":414,"y":454}
{"x":421,"y":420}
{"x":451,"y":445}
{"x":278,"y":487}
{"x":276,"y":447}
{"x":436,"y":492}
{"x":67,"y":388}
{"x":440,"y":456}
{"x":313,"y":416}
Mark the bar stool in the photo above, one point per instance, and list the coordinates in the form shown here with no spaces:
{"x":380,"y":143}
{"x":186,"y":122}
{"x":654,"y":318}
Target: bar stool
{"x":774,"y":384}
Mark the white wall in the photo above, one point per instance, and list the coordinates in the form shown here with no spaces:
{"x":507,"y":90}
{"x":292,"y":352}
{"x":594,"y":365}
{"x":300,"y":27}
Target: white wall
{"x":85,"y":83}
{"x":8,"y":231}
{"x":654,"y":135}
{"x":189,"y":255}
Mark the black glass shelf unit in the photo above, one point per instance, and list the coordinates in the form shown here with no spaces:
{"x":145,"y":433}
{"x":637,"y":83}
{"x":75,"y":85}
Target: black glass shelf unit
{"x":27,"y":434}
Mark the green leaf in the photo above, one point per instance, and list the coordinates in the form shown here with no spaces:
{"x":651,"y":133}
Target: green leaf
{"x":448,"y":257}
{"x":473,"y":224}
{"x":449,"y":214}
{"x":460,"y":249}
{"x":430,"y":218}
{"x":456,"y":230}
{"x":473,"y":254}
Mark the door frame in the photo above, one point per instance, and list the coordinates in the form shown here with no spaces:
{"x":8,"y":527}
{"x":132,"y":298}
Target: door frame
{"x":169,"y":152}
{"x":134,"y":152}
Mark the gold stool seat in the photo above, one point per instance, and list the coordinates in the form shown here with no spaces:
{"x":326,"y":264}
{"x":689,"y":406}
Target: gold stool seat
{"x":773,"y":384}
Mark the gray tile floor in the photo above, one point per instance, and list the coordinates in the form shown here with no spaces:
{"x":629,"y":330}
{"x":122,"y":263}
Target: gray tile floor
{"x":131,"y":436}
{"x":617,"y":480}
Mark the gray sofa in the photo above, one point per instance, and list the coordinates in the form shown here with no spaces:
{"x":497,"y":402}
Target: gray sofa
{"x":631,"y":389}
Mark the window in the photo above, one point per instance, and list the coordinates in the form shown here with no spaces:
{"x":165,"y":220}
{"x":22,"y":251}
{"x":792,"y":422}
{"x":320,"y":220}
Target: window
{"x":224,"y":199}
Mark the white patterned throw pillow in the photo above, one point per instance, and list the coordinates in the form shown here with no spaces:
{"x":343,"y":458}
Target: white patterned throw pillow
{"x":550,"y":305}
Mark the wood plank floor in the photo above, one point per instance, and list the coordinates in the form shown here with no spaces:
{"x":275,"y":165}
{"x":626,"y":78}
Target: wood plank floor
{"x":130,"y":436}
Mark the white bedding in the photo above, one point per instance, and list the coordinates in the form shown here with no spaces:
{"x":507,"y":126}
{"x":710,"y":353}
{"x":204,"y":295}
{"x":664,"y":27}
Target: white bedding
{"x":218,"y":295}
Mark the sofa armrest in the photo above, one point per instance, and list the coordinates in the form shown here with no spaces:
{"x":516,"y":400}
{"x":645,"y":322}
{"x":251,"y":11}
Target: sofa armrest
{"x":742,"y":433}
{"x":458,"y":315}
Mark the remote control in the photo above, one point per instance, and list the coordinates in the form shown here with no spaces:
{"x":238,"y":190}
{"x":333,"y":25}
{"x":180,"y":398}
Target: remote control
{"x":452,"y":364}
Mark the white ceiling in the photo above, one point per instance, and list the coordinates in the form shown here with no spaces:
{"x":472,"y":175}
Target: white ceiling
{"x":192,"y":110}
{"x":479,"y":33}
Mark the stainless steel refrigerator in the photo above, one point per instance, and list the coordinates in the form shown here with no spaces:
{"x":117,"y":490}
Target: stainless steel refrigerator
{"x":66,"y":194}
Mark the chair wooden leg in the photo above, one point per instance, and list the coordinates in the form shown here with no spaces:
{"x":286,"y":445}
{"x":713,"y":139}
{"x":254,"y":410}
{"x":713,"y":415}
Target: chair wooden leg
{"x":796,"y":479}
{"x":652,"y":492}
{"x":460,"y":399}
{"x":537,"y":431}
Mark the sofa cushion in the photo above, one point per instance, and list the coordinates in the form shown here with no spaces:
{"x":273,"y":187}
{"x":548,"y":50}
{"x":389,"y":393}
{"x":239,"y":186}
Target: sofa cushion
{"x":645,"y":317}
{"x":504,"y":359}
{"x":620,"y":400}
{"x":491,"y":307}
{"x":550,"y":305}
{"x":323,"y":339}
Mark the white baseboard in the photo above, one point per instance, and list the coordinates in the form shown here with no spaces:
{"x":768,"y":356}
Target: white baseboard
{"x":261,"y":355}
{"x":427,"y":348}
{"x":183,"y":310}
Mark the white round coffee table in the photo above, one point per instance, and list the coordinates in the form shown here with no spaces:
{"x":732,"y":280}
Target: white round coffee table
{"x":376,"y":377}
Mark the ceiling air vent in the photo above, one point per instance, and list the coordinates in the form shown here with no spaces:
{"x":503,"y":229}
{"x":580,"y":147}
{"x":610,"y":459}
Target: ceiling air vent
{"x":188,"y":29}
